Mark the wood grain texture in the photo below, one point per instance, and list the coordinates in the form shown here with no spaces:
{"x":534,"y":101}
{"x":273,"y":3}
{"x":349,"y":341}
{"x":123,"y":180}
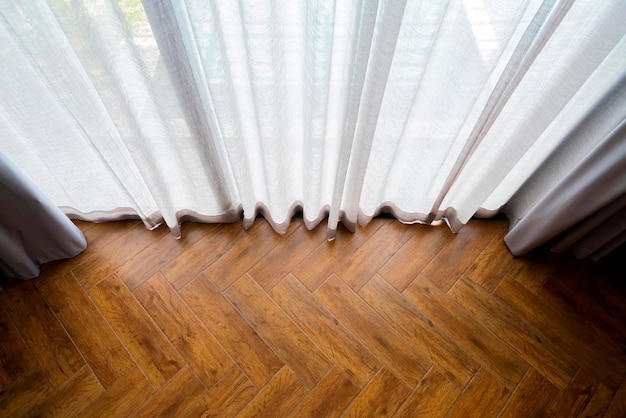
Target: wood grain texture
{"x":381,"y":397}
{"x":148,"y":262}
{"x":584,"y":397}
{"x":225,"y":398}
{"x":595,"y":355}
{"x":329,"y":398}
{"x":24,"y":393}
{"x":534,"y":270}
{"x":491,"y":265}
{"x":467,"y":331}
{"x":534,"y":397}
{"x":393,"y":350}
{"x":297,"y":350}
{"x":71,"y":397}
{"x":152,"y":351}
{"x":373,"y":254}
{"x":100,"y":237}
{"x":325,"y":330}
{"x":463,"y":249}
{"x":245,"y":346}
{"x":277,"y":398}
{"x":92,"y":334}
{"x":193,"y":341}
{"x":15,"y":358}
{"x":433,"y":397}
{"x":318,"y":265}
{"x":98,"y":265}
{"x":174,"y":398}
{"x":496,"y":335}
{"x":617,"y":407}
{"x":420,"y":331}
{"x":415,"y":254}
{"x":120,"y":399}
{"x":483,"y":397}
{"x":530,"y":344}
{"x":190,"y":263}
{"x":44,"y":336}
{"x":285,"y":256}
{"x":241,"y":256}
{"x":589,"y":302}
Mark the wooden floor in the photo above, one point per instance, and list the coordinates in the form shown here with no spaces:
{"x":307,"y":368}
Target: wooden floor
{"x":394,"y":320}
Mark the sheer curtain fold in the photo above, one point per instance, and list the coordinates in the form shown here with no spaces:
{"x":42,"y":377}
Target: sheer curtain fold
{"x":212,"y":111}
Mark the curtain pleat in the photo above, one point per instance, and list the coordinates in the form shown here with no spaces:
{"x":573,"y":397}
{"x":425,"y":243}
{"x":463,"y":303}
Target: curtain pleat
{"x":544,"y":23}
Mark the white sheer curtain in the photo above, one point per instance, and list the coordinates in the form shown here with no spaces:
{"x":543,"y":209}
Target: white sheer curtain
{"x":210,"y":110}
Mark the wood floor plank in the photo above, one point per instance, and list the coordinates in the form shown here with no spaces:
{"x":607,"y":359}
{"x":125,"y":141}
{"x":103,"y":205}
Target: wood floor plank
{"x":107,"y":260}
{"x":329,"y":398}
{"x":244,"y":345}
{"x":323,"y":328}
{"x":392,"y":350}
{"x":174,"y":398}
{"x":98,"y":237}
{"x":286,"y":255}
{"x":373,"y":254}
{"x":593,"y":354}
{"x":91,"y":333}
{"x":15,"y":357}
{"x":46,"y":339}
{"x":585,"y":397}
{"x":279,"y":331}
{"x":160,"y":252}
{"x":242,"y":256}
{"x":24,"y":393}
{"x":195,"y":259}
{"x":121,"y":398}
{"x":192,"y":340}
{"x":490,"y":266}
{"x":534,"y":269}
{"x":315,"y":268}
{"x":152,"y":351}
{"x":460,"y":253}
{"x":600,"y":401}
{"x":529,"y":343}
{"x":277,"y":398}
{"x":381,"y":397}
{"x":71,"y":397}
{"x":617,"y":407}
{"x":420,"y":331}
{"x":226,"y":398}
{"x":483,"y":397}
{"x":530,"y":323}
{"x":588,"y":299}
{"x":534,"y":397}
{"x":415,"y":254}
{"x":470,"y":334}
{"x":433,"y":397}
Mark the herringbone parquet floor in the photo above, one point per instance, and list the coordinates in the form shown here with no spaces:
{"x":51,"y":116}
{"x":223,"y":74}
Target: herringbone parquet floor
{"x":394,"y":320}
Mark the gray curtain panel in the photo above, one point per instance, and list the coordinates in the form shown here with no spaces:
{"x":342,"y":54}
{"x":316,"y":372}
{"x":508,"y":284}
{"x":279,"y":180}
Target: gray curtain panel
{"x":32,"y":230}
{"x":585,"y":210}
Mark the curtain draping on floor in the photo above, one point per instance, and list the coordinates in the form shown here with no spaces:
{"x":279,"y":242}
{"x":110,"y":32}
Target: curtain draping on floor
{"x":32,"y":230}
{"x":207,"y":110}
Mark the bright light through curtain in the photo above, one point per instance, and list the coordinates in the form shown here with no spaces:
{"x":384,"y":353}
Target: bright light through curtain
{"x":207,"y":110}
